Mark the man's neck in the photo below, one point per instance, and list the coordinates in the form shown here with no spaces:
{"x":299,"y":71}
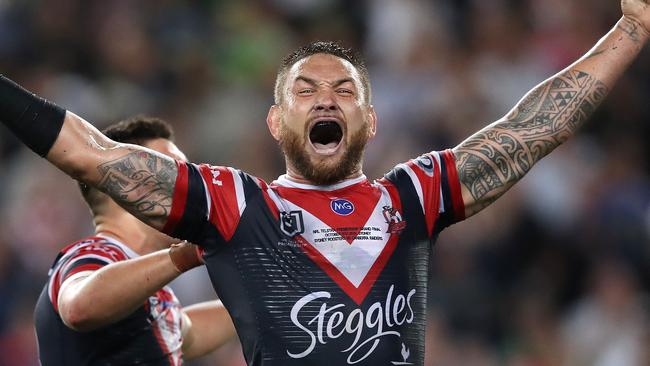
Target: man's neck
{"x":294,"y":176}
{"x":127,"y":231}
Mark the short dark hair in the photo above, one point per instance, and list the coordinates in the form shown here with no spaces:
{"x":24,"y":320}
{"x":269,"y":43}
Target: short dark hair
{"x":137,"y":130}
{"x":327,"y":47}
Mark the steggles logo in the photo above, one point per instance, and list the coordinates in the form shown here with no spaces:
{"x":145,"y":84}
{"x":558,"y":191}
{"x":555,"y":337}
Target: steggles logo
{"x":381,"y":319}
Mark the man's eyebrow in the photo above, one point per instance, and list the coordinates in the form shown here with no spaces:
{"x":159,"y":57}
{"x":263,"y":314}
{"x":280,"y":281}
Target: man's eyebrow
{"x":307,"y":80}
{"x":342,"y":81}
{"x":313,"y":82}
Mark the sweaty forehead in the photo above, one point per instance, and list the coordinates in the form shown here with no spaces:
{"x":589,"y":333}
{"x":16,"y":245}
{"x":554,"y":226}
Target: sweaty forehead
{"x":324,"y":67}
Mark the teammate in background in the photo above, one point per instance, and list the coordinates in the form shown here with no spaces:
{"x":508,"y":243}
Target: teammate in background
{"x":106,"y":300}
{"x":323,"y":267}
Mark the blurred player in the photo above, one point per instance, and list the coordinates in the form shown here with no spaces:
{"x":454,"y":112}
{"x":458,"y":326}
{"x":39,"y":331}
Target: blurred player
{"x":98,"y":308}
{"x":324,"y":267}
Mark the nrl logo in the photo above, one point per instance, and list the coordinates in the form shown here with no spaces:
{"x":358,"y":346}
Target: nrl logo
{"x":291,"y":223}
{"x":394,"y":220}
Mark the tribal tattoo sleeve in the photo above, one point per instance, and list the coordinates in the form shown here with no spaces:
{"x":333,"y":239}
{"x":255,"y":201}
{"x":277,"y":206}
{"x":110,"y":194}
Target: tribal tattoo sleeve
{"x":142,"y":183}
{"x":492,"y":160}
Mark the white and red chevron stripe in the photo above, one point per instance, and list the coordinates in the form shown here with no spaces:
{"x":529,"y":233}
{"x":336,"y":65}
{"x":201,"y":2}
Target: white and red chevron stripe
{"x":353,"y":262}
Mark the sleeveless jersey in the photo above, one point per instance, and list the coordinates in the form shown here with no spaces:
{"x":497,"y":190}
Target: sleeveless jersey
{"x":149,"y":336}
{"x":321,"y":275}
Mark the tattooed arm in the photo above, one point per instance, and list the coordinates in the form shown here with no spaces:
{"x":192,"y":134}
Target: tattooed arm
{"x":495,"y":158}
{"x":139,"y":179}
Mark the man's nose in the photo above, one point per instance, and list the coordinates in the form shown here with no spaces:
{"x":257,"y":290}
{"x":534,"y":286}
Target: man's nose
{"x":326,"y":101}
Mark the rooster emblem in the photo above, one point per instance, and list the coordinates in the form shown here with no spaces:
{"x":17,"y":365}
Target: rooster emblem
{"x":405,"y":355}
{"x":394,"y":220}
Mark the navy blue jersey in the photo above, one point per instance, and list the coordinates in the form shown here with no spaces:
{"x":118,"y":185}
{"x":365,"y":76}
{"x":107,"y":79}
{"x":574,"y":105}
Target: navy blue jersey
{"x":149,"y":336}
{"x":321,"y":275}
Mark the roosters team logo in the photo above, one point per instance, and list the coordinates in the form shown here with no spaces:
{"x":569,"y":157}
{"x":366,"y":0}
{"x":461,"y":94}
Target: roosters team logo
{"x":405,"y":355}
{"x":394,"y":220}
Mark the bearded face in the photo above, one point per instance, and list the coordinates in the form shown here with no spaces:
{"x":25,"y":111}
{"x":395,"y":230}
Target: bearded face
{"x":323,"y":122}
{"x":325,"y":170}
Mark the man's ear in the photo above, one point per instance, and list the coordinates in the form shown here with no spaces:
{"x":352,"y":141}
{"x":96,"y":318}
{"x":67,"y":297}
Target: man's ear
{"x":372,"y":120}
{"x":273,"y":121}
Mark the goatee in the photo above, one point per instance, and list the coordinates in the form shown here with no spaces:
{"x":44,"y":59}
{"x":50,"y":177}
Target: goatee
{"x":323,"y":172}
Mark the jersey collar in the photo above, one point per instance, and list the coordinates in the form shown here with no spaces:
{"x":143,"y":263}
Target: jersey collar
{"x":285,"y":181}
{"x":127,"y":249}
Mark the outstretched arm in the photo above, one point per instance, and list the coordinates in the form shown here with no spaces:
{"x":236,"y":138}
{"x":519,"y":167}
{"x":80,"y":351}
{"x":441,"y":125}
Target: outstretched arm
{"x":140,"y":180}
{"x":495,"y":158}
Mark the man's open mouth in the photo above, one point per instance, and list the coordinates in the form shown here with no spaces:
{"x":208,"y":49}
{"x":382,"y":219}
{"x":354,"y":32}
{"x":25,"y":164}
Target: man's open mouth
{"x":326,"y":136}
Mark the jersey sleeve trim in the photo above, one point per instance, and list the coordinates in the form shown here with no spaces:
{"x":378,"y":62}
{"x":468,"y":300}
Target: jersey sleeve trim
{"x":239,"y":191}
{"x":84,"y":264}
{"x":179,"y":198}
{"x":454,"y":185}
{"x":208,"y":208}
{"x":227,"y":197}
{"x":425,"y":177}
{"x":81,"y":258}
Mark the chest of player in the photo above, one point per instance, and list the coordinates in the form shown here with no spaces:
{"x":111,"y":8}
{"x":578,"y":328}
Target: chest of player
{"x":349,"y":234}
{"x":334,"y":277}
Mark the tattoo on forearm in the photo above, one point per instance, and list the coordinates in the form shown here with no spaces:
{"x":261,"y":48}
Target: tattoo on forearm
{"x":141,"y":182}
{"x":630,"y":28}
{"x":496,"y":157}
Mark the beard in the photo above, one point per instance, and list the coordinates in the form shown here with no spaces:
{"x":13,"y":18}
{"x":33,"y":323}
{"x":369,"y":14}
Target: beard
{"x":323,"y":172}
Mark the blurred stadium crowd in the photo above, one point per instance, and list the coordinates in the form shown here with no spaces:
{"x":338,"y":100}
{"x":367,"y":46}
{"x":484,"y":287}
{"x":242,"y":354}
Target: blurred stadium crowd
{"x":555,"y":273}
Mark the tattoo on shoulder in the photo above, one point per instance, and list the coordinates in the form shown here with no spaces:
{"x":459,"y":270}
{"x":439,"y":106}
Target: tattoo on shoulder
{"x":141,"y":182}
{"x":493,"y":159}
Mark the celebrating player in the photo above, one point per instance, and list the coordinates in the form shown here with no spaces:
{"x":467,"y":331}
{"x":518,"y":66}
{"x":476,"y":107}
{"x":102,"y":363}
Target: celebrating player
{"x":100,"y":307}
{"x":322,"y":266}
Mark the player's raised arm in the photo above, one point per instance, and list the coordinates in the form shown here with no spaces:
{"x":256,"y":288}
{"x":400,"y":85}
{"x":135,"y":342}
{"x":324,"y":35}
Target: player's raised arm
{"x":139,"y":179}
{"x":496,"y":157}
